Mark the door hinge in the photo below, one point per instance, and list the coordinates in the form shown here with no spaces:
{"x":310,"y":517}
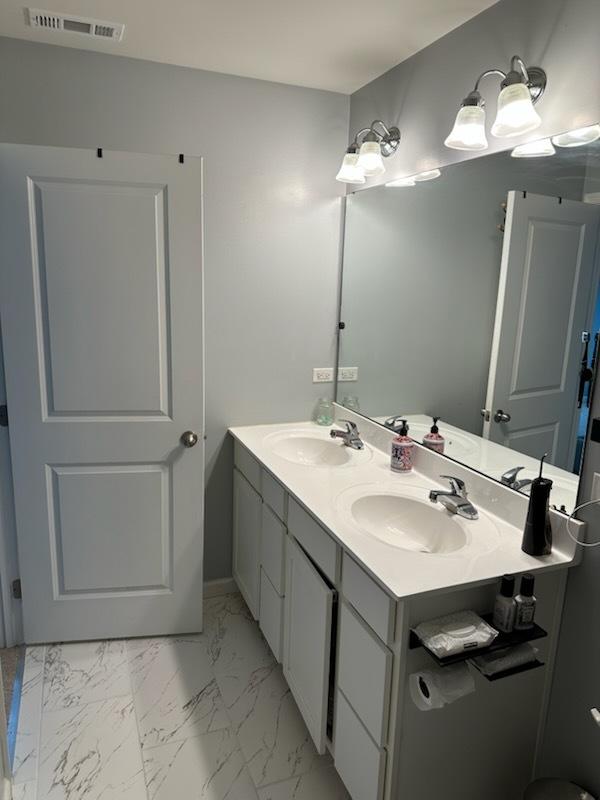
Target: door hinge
{"x":485,"y":413}
{"x":17,"y":592}
{"x":3,"y":417}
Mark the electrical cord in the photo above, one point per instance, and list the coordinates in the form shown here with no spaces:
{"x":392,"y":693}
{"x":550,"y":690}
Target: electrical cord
{"x":571,"y":516}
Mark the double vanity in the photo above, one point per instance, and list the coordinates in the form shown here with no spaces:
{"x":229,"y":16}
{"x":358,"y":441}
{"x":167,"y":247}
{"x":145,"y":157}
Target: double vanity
{"x":338,"y":558}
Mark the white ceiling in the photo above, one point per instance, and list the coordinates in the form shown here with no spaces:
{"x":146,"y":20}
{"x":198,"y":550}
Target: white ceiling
{"x":338,"y":45}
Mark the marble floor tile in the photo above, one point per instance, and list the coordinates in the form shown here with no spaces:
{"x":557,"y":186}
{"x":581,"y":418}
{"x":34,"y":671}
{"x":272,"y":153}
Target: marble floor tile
{"x":208,"y":767}
{"x":84,"y":672}
{"x":320,"y":784}
{"x":272,"y":734}
{"x":233,"y":639}
{"x":24,"y":791}
{"x":174,"y":690}
{"x":91,"y":752}
{"x":30,"y":714}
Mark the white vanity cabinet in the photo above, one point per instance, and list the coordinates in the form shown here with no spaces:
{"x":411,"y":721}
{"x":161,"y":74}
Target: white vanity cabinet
{"x":344,"y":644}
{"x":309,"y":603}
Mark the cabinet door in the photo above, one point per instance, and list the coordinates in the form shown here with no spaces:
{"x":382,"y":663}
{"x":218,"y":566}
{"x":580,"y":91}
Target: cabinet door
{"x":247,"y":507}
{"x":307,"y":640}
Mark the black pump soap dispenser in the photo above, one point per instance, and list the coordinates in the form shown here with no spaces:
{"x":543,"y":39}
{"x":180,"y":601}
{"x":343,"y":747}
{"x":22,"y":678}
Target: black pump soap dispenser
{"x":537,"y":536}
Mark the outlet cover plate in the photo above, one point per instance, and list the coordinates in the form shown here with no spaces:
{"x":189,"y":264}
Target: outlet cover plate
{"x":323,"y":375}
{"x":348,"y":374}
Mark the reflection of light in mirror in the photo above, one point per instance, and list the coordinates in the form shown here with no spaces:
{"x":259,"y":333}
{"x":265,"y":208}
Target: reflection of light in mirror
{"x":468,"y":132}
{"x":428,"y":175}
{"x":577,"y":137}
{"x":516,"y":114}
{"x":539,"y":149}
{"x":401,"y":182}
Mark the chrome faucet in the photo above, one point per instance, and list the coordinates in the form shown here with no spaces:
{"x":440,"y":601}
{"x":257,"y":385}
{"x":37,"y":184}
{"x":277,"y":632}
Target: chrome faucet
{"x":350,"y":436}
{"x":509,"y":478}
{"x":395,"y":423}
{"x":455,"y":500}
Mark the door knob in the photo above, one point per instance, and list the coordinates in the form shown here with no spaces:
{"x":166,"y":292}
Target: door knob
{"x":501,"y":416}
{"x":189,"y":438}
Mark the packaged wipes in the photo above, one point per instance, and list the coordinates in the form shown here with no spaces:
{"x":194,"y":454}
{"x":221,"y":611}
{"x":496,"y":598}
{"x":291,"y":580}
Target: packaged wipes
{"x":455,"y":633}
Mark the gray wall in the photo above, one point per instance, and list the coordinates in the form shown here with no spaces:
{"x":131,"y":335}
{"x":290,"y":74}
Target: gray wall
{"x":420,"y":284}
{"x":422,"y":94}
{"x":272,"y":218}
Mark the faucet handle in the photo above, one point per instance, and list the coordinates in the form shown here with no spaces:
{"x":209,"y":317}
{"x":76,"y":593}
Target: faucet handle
{"x":351,"y":427}
{"x":456,"y":484}
{"x":510,"y":475}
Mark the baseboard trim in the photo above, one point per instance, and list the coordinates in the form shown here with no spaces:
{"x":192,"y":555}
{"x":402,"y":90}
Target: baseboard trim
{"x":219,"y":587}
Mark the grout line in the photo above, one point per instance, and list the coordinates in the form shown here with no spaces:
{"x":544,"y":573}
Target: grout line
{"x":135,"y":716}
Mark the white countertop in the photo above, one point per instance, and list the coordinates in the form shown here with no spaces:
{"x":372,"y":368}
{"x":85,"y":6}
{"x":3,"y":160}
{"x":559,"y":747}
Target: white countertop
{"x":402,"y":573}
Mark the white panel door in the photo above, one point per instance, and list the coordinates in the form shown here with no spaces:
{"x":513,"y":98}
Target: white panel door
{"x":101,"y":311}
{"x":307,"y":640}
{"x":545,"y":297}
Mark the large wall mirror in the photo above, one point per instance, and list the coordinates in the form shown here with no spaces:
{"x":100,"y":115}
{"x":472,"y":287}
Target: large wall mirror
{"x":474,"y":298}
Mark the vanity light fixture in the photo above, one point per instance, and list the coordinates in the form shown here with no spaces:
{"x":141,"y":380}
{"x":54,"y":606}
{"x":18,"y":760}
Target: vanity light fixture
{"x":521,"y":87}
{"x":401,"y":182}
{"x":539,"y":149}
{"x":365,"y":155}
{"x":577,"y":137}
{"x":350,"y":172}
{"x":428,"y":175}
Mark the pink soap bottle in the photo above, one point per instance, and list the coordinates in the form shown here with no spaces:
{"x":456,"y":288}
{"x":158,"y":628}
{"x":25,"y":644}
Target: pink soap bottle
{"x":434,"y":439}
{"x":402,"y":450}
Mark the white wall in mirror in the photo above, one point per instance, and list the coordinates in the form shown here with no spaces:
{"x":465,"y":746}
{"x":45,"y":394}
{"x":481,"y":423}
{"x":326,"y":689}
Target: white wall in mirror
{"x":421,"y":274}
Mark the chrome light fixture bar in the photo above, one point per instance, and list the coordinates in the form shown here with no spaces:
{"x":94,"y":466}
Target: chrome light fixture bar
{"x":521,"y":88}
{"x":364,"y":157}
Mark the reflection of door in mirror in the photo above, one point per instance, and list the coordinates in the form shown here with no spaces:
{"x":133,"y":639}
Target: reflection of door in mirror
{"x":545,"y":301}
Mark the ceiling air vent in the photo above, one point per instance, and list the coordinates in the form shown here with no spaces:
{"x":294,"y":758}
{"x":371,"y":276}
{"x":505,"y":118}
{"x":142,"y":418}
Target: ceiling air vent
{"x":99,"y":29}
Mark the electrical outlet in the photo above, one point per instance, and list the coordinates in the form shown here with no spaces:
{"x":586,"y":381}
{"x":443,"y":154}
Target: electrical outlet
{"x":323,"y":375}
{"x":348,"y":374}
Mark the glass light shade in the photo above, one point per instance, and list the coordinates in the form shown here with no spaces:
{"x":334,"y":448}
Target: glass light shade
{"x":401,"y":182}
{"x":429,"y":175}
{"x":516,"y":114}
{"x":370,"y":159}
{"x":539,"y":149}
{"x":468,"y":132}
{"x":577,"y":137}
{"x":350,"y":172}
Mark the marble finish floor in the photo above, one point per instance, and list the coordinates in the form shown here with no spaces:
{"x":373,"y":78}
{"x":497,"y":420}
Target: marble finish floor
{"x":201,"y":717}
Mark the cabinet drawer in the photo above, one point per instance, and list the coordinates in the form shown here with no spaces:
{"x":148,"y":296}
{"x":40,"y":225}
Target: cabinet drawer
{"x":271,"y":615}
{"x":247,"y":464}
{"x":272,"y":546}
{"x":371,"y":602}
{"x":359,"y":762}
{"x":274,"y":495}
{"x":364,"y":673}
{"x":317,"y":542}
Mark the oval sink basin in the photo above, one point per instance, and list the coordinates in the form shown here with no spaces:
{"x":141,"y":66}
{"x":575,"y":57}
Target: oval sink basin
{"x":408,"y":520}
{"x":314,"y":450}
{"x":408,"y":524}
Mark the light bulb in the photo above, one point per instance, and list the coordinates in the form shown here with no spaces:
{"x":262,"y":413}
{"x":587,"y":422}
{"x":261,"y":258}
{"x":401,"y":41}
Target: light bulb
{"x":428,"y":175}
{"x":539,"y":149}
{"x":370,"y":159}
{"x":516,"y":114}
{"x":350,"y":172}
{"x":468,"y":132}
{"x":577,"y":137}
{"x":401,"y":182}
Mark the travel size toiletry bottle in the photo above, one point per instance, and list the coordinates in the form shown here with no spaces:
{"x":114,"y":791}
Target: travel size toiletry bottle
{"x":402,"y":450}
{"x":525,"y":602}
{"x":537,"y":536}
{"x":434,"y":439}
{"x":505,"y":607}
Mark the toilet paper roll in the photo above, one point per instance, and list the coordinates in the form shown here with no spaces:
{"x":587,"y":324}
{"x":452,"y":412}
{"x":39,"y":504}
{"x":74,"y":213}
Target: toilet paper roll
{"x":440,"y":686}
